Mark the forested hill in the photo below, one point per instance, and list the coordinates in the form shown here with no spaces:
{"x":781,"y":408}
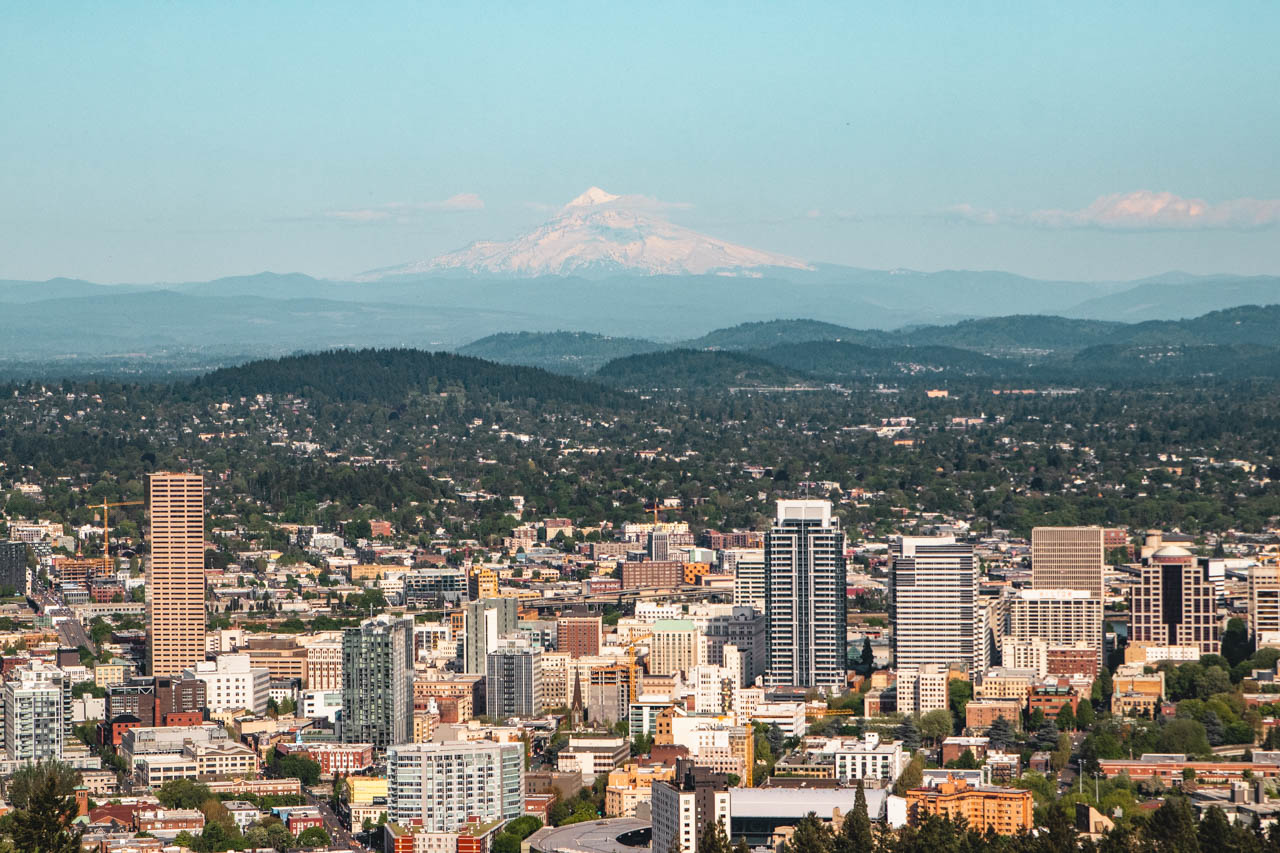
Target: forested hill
{"x":699,"y":369}
{"x":387,"y":375}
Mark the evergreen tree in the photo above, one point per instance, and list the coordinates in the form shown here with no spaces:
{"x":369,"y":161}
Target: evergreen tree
{"x":855,"y":835}
{"x":1001,"y":734}
{"x":909,"y":733}
{"x":1066,"y":718}
{"x":712,"y":839}
{"x":1085,"y":716}
{"x":811,"y":836}
{"x":44,"y":826}
{"x":1046,"y":737}
{"x":868,"y":658}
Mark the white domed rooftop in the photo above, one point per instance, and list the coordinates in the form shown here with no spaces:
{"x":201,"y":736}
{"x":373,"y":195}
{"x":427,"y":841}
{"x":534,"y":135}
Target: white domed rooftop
{"x":1172,"y":551}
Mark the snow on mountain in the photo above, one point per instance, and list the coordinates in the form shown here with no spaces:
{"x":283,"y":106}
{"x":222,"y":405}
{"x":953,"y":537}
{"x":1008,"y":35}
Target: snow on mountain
{"x":599,"y":232}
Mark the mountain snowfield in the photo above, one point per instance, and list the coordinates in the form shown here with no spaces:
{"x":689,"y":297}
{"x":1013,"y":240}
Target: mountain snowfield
{"x":599,"y":232}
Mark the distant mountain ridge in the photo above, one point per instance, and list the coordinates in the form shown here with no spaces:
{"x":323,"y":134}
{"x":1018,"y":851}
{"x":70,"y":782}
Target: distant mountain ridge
{"x":74,"y":322}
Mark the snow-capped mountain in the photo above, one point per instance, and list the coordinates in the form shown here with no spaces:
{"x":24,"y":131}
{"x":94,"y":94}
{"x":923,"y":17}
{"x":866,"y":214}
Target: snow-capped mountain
{"x":599,"y":232}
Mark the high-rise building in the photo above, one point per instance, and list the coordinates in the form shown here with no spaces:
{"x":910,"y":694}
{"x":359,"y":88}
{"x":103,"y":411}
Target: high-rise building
{"x":1068,"y":558}
{"x":936,"y":613}
{"x":747,"y":630}
{"x":579,"y":636}
{"x":37,"y":712}
{"x":805,"y":596}
{"x":513,"y":679}
{"x":673,"y":649}
{"x":1175,"y":603}
{"x":13,"y":567}
{"x":486,"y":621}
{"x":1060,"y":617}
{"x":687,"y":806}
{"x":659,"y":545}
{"x":377,"y":682}
{"x":232,"y":683}
{"x":175,"y":573}
{"x":440,"y":786}
{"x":1264,"y":600}
{"x":747,"y":568}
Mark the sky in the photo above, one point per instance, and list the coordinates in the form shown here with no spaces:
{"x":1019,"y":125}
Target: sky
{"x":185,"y":141}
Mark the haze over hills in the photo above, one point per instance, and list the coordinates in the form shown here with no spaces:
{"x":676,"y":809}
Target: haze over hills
{"x":618,"y":268}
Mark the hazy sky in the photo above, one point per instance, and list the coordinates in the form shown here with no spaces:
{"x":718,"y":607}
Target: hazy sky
{"x":180,"y":141}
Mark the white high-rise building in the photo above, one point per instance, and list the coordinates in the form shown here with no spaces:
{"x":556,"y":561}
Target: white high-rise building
{"x":1060,"y":617}
{"x":805,"y":596}
{"x":439,"y":786}
{"x":232,"y":684}
{"x":747,"y":567}
{"x":37,"y":712}
{"x":937,"y":617}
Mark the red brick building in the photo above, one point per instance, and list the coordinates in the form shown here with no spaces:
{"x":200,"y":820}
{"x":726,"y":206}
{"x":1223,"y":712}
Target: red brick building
{"x":661,"y":574}
{"x":578,"y":635}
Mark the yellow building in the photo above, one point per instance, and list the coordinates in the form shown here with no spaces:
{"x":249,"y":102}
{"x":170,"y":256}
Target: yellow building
{"x":109,"y":674}
{"x":363,"y":789}
{"x":631,"y":785}
{"x":369,"y":571}
{"x":1007,"y":811}
{"x":482,"y":583}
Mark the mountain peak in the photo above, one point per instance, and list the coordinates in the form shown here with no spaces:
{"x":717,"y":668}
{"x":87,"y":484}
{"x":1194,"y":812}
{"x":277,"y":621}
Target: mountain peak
{"x":599,"y":233}
{"x":591,"y":197}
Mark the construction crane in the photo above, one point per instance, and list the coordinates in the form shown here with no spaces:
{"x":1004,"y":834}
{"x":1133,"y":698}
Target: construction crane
{"x":106,"y":535}
{"x":832,"y":712}
{"x":655,"y":508}
{"x":631,"y":661}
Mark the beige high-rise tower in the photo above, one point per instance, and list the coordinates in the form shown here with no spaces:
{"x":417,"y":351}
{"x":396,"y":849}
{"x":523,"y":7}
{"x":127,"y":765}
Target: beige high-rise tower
{"x":175,"y":578}
{"x":1068,"y":558}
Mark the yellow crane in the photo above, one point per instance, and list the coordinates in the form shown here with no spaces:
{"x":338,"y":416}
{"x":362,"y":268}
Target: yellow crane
{"x":106,"y":530}
{"x":832,"y":712}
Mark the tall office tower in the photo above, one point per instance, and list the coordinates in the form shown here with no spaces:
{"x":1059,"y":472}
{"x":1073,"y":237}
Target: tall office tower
{"x":13,"y":567}
{"x":486,"y":621}
{"x":659,"y":545}
{"x":1175,"y":603}
{"x":377,"y":682}
{"x":175,"y":575}
{"x":747,"y":567}
{"x":513,"y":679}
{"x":1264,"y":601}
{"x":37,"y":712}
{"x":579,"y":635}
{"x":440,"y":786}
{"x":1060,"y":617}
{"x":688,"y":806}
{"x":805,"y":596}
{"x":936,"y":614}
{"x":1068,"y":558}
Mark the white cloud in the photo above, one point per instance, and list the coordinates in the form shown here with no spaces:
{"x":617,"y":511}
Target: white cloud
{"x":403,"y":211}
{"x":1139,"y":210}
{"x":1144,"y":209}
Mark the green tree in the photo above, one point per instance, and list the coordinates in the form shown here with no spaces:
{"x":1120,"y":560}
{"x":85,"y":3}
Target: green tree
{"x":1067,"y":718}
{"x":183,"y":794}
{"x":1085,"y":716}
{"x":811,"y":836}
{"x":959,"y":694}
{"x":855,"y":835}
{"x":313,"y":836}
{"x":712,"y":839}
{"x":912,"y":776}
{"x":44,"y":825}
{"x":31,"y":777}
{"x":909,"y":733}
{"x":936,"y":725}
{"x":1001,"y":733}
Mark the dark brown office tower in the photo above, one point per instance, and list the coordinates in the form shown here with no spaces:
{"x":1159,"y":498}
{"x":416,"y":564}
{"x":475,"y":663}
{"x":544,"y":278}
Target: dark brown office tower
{"x":578,"y":635}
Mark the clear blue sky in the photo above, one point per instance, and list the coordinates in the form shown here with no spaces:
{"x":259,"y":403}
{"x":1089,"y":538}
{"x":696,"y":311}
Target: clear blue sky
{"x":180,"y":141}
